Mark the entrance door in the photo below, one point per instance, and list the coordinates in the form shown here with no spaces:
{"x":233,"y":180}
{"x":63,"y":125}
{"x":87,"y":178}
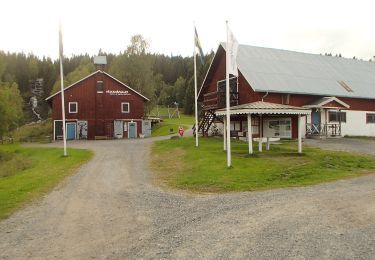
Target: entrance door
{"x":132,"y":130}
{"x":315,"y":121}
{"x":70,"y":131}
{"x":118,"y":126}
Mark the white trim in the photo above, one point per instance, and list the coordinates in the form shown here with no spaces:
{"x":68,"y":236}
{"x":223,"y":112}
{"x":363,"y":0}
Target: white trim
{"x":329,"y":99}
{"x":70,"y":112}
{"x":136,"y":134}
{"x":122,"y":108}
{"x":95,"y":89}
{"x":208,"y":71}
{"x":58,"y":92}
{"x":265,"y":111}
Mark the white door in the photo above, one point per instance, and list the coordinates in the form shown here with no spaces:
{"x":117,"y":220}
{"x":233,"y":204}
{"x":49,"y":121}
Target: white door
{"x":118,"y":128}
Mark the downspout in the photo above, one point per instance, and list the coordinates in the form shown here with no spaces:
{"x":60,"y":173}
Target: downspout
{"x":265,"y":96}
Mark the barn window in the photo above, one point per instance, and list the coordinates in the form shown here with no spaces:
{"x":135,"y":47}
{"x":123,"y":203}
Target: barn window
{"x":99,"y":86}
{"x":370,"y":118}
{"x":337,"y":116}
{"x":73,"y":107}
{"x":125,"y":107}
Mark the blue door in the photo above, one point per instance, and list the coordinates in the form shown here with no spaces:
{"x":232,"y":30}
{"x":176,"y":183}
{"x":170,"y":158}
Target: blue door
{"x":315,"y":117}
{"x":315,"y":120}
{"x":132,"y":130}
{"x":70,"y":131}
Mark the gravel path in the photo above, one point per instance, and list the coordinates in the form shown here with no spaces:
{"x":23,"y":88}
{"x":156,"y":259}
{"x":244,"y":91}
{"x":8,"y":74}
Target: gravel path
{"x":110,"y":209}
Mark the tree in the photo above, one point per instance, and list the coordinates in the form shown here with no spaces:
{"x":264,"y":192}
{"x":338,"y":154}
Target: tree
{"x":85,"y":68}
{"x":10,"y":107}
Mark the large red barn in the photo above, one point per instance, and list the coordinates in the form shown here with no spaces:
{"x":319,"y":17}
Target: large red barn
{"x":100,"y":106}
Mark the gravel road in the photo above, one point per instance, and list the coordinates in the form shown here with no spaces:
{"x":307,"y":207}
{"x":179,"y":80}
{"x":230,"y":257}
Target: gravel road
{"x":110,"y":209}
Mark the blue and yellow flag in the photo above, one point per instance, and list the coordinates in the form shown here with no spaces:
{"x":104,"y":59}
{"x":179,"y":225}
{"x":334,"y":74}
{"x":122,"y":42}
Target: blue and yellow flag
{"x":198,"y":47}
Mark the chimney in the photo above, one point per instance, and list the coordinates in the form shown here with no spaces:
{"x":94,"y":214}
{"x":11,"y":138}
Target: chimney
{"x":100,"y":62}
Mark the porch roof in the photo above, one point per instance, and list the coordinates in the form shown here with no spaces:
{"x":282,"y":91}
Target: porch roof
{"x":261,"y":107}
{"x":324,"y":103}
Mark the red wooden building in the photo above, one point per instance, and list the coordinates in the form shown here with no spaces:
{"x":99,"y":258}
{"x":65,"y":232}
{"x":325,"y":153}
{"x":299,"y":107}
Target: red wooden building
{"x":100,"y":106}
{"x":338,"y":92}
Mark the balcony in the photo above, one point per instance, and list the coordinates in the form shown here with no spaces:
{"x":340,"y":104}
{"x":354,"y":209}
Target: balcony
{"x":216,"y":100}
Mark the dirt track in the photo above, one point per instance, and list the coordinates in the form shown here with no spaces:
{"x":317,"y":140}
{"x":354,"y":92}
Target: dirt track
{"x":110,"y":209}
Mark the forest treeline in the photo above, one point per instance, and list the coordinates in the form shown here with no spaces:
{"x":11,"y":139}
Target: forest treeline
{"x":164,"y":79}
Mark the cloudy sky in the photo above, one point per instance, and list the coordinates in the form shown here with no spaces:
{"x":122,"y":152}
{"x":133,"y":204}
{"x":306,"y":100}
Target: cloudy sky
{"x":318,"y":26}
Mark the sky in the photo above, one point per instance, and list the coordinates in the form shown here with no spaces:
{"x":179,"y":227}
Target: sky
{"x":330,"y":26}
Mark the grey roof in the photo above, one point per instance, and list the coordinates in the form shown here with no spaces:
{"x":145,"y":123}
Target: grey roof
{"x":284,"y":71}
{"x":100,"y":60}
{"x":261,"y":107}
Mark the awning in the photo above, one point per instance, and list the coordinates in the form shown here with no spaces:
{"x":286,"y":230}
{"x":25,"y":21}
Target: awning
{"x":261,"y":107}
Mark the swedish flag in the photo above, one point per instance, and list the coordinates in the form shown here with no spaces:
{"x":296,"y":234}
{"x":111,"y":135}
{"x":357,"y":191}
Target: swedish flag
{"x":198,"y":47}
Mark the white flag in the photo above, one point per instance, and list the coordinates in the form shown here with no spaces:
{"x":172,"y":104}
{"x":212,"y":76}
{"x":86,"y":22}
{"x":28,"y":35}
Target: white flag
{"x":232,"y":47}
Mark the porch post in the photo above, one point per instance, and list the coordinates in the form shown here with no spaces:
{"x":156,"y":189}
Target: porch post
{"x":299,"y":134}
{"x":225,"y":133}
{"x":260,"y":133}
{"x":249,"y":134}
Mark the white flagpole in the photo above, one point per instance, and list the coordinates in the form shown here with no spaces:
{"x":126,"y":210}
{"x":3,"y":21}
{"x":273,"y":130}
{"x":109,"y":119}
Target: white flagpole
{"x":229,"y":156}
{"x":195,"y":91}
{"x":62,"y":89}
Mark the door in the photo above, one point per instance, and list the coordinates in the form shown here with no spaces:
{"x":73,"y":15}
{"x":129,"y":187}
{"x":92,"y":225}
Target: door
{"x":70,"y":131}
{"x":118,"y":128}
{"x":132,"y":130}
{"x":82,"y":129}
{"x":315,"y":121}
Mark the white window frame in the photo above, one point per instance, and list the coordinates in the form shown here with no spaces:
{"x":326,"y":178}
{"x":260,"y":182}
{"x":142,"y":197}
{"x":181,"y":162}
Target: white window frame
{"x":99,"y":91}
{"x":122,"y":107}
{"x":76,"y":103}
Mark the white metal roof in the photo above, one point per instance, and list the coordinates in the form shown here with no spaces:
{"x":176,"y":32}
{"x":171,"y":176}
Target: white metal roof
{"x":260,"y":107}
{"x":100,"y":60}
{"x":284,"y":71}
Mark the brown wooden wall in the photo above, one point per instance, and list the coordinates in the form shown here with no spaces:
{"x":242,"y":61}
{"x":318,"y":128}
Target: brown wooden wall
{"x":99,"y":109}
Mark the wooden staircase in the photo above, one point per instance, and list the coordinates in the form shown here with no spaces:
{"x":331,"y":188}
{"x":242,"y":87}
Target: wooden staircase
{"x":205,"y":122}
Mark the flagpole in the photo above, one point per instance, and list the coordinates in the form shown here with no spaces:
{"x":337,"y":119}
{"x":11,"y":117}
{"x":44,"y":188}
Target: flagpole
{"x":195,"y":90}
{"x":62,"y":89}
{"x":229,"y":156}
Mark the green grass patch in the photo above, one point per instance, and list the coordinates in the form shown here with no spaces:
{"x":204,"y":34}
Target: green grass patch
{"x":28,"y":173}
{"x":34,"y":132}
{"x":164,"y":128}
{"x":179,"y":164}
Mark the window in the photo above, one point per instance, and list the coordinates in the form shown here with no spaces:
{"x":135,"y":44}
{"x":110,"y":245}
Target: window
{"x":370,"y":118}
{"x":235,"y":126}
{"x":125,"y":107}
{"x":73,"y":107}
{"x":337,"y":116}
{"x":99,"y":86}
{"x":285,"y":99}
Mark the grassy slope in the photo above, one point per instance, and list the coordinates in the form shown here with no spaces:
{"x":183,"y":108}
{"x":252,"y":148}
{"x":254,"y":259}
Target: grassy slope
{"x":33,"y":132}
{"x":41,"y":170}
{"x":163,"y":128}
{"x":179,"y":164}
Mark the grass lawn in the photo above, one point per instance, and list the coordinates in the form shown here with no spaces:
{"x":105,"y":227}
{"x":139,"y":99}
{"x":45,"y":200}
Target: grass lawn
{"x":179,"y":164}
{"x":163,"y":128}
{"x":28,"y":173}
